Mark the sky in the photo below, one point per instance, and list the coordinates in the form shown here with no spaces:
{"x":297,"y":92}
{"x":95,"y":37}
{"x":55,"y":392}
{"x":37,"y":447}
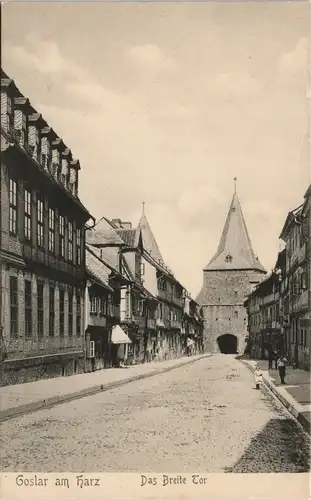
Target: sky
{"x":165,"y":103}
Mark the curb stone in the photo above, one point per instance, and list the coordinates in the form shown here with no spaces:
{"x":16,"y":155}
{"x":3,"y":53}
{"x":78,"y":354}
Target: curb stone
{"x":300,"y":416}
{"x":89,"y":391}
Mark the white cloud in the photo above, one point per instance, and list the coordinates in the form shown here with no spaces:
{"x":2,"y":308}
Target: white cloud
{"x":150,"y":57}
{"x":233,"y":85}
{"x":297,"y":59}
{"x":44,"y":56}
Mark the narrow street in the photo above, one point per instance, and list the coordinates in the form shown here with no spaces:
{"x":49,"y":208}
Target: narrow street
{"x":205,"y":417}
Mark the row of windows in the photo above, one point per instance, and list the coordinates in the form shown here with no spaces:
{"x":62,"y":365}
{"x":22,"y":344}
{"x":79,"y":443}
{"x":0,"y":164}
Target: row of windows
{"x":100,"y":305}
{"x":15,"y":310}
{"x":41,"y":223}
{"x":295,"y":240}
{"x":40,"y":147}
{"x":171,"y":315}
{"x":176,"y":292}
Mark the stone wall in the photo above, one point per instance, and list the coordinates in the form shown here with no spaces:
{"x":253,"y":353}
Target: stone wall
{"x":223,"y":309}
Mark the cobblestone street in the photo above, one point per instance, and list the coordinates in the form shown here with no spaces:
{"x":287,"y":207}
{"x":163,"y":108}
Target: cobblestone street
{"x":204,"y":417}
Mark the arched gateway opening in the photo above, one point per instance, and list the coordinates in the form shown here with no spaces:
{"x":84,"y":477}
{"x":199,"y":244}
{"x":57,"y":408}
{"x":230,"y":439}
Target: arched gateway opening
{"x":228,"y":344}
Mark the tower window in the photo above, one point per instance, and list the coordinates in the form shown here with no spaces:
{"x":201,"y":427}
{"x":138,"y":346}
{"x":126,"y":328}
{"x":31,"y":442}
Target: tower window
{"x":228,"y":258}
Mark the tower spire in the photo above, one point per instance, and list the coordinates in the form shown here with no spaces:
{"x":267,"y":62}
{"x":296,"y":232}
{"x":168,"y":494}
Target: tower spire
{"x":143,"y":203}
{"x":235,"y":249}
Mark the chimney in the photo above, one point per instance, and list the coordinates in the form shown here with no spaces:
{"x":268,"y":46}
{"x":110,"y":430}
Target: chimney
{"x":116,"y":223}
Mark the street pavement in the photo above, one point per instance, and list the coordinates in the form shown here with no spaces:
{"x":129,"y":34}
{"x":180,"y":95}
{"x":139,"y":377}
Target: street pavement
{"x":21,"y":398}
{"x":295,"y":394}
{"x":204,"y":417}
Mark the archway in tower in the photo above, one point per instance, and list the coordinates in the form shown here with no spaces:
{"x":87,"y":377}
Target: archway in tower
{"x":228,"y":344}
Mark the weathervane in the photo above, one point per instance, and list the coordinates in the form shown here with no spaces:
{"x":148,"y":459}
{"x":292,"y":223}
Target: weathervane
{"x":143,"y":207}
{"x":235,"y":179}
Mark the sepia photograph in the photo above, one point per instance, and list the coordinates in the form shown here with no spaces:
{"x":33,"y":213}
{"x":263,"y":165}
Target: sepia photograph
{"x":155,"y":259}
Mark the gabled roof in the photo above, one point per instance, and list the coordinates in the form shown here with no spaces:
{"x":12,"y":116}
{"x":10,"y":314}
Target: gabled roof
{"x":235,"y":250}
{"x":103,"y":234}
{"x":290,"y":219}
{"x":97,"y":270}
{"x":149,"y":240}
{"x":130,"y":236}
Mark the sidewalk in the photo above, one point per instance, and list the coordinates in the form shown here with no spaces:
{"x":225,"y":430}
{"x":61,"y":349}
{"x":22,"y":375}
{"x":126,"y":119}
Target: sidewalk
{"x":24,"y":398}
{"x":295,"y":395}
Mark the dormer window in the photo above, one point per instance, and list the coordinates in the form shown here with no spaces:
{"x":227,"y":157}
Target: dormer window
{"x":64,"y":172}
{"x":20,"y":127}
{"x":55,"y":162}
{"x":72,"y":181}
{"x":34,"y":136}
{"x":45,"y":153}
{"x":9,"y":113}
{"x":228,"y":258}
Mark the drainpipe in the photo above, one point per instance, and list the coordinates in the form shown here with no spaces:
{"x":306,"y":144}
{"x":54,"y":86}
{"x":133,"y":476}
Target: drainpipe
{"x":86,"y":292}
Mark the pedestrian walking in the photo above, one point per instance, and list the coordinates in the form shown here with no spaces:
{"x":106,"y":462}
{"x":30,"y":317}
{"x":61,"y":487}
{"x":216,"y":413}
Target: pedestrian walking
{"x":276,"y":356}
{"x":281,"y":364}
{"x":258,"y":377}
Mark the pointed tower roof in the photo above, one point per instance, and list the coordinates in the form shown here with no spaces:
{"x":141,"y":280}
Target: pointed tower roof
{"x":235,"y":249}
{"x":149,"y":240}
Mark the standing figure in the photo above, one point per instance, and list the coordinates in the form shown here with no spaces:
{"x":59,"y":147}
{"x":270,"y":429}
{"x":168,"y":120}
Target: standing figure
{"x":258,"y":377}
{"x":276,"y":355}
{"x":270,"y":358}
{"x":281,"y":364}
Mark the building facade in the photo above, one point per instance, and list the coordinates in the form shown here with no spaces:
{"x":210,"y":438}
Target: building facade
{"x":296,"y":235}
{"x":265,"y":330}
{"x":151,"y":299}
{"x":279,"y":309}
{"x":42,"y":246}
{"x":227,"y":280}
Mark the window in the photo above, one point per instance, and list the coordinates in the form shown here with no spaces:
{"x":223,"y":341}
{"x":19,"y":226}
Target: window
{"x":61,"y":236}
{"x":78,"y":311}
{"x":303,"y":279}
{"x":93,"y":305}
{"x":13,"y":306}
{"x":70,"y":241}
{"x":40,"y":222}
{"x":13,"y":207}
{"x":103,"y":306}
{"x":40,"y":306}
{"x":27,"y":215}
{"x":10,"y":116}
{"x":160,"y":311}
{"x":78,"y":247}
{"x":28,"y":309}
{"x":51,"y":311}
{"x":61,"y":313}
{"x":70,"y":312}
{"x":51,"y":230}
{"x":55,"y":162}
{"x":24,"y":129}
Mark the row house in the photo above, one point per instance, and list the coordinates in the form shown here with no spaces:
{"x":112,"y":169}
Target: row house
{"x":136,"y":304}
{"x":296,"y":234}
{"x":192,"y":322}
{"x":170,"y":339}
{"x":279,"y":309}
{"x":102,"y":306}
{"x":264,"y":327}
{"x":156,"y":300}
{"x":151,"y":299}
{"x":42,"y":246}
